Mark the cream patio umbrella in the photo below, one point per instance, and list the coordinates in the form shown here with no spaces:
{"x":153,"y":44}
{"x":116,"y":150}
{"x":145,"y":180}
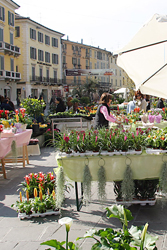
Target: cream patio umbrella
{"x":144,"y":58}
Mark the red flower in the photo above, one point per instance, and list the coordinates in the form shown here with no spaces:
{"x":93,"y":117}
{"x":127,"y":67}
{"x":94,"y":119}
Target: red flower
{"x":1,"y":128}
{"x":27,"y":179}
{"x":66,"y":139}
{"x":52,"y":177}
{"x":35,"y":175}
{"x":30,"y":175}
{"x":16,"y":111}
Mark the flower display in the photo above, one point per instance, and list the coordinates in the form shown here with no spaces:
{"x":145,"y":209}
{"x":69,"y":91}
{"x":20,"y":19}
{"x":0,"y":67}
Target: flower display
{"x":32,"y":180}
{"x":1,"y":128}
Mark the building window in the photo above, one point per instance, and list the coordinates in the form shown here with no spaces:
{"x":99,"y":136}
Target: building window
{"x":55,"y":76}
{"x":47,"y":57}
{"x":47,"y":40}
{"x":55,"y":59}
{"x":120,"y":73}
{"x":116,"y":72}
{"x":120,"y":83}
{"x":74,"y":61}
{"x":2,"y":13}
{"x":33,"y":73}
{"x":75,"y":80}
{"x":40,"y":37}
{"x":115,"y":82}
{"x":33,"y":53}
{"x":1,"y":62}
{"x":40,"y":55}
{"x":90,"y":51}
{"x":64,"y":59}
{"x":10,"y":18}
{"x":12,"y":64}
{"x":47,"y":75}
{"x":103,"y":56}
{"x":1,"y":35}
{"x":111,"y":82}
{"x":115,"y":61}
{"x":32,"y":34}
{"x":95,"y":54}
{"x":99,"y":55}
{"x":54,"y":42}
{"x":17,"y":31}
{"x":11,"y":38}
{"x":95,"y":65}
{"x":111,"y":59}
{"x":90,"y":65}
{"x":40,"y":74}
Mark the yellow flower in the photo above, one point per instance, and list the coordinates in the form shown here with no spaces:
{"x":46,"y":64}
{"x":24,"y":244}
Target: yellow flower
{"x":149,"y":135}
{"x":154,"y":137}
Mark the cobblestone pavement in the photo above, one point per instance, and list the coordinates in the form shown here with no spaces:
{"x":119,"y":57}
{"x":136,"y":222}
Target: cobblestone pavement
{"x":27,"y":234}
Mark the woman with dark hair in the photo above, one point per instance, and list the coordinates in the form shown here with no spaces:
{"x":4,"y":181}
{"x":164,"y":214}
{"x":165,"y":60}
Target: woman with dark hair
{"x":140,"y":101}
{"x":60,"y":105}
{"x":103,"y":116}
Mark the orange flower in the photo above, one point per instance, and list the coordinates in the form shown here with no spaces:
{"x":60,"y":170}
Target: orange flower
{"x":149,"y":135}
{"x":35,"y":192}
{"x":27,"y":195}
{"x":40,"y":195}
{"x":162,"y":137}
{"x":21,"y":197}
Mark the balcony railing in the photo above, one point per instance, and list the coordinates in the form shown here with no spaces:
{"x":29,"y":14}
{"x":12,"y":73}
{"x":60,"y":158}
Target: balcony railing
{"x":45,"y":80}
{"x":6,"y":74}
{"x":9,"y":49}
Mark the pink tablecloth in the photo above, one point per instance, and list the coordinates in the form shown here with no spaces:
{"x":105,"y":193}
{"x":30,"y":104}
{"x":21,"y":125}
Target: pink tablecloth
{"x":20,"y":138}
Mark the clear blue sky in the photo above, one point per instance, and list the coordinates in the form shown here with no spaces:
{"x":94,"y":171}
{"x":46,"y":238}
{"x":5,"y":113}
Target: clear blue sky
{"x":109,"y":24}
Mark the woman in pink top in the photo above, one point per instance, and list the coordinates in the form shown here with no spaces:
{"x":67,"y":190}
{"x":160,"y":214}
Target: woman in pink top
{"x":103,"y":116}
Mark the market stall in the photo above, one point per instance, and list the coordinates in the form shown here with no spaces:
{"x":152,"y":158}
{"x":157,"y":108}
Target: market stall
{"x":21,"y":140}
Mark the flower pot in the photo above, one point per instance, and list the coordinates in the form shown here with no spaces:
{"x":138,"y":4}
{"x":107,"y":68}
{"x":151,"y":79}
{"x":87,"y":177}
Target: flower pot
{"x":23,"y":127}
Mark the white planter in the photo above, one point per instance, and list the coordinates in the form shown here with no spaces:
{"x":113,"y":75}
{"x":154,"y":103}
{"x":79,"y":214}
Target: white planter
{"x":48,"y":212}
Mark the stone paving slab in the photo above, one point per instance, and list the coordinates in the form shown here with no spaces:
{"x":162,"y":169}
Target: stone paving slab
{"x":16,"y":234}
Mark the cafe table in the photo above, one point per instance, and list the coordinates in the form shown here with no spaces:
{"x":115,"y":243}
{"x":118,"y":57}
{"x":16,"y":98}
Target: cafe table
{"x":21,"y":139}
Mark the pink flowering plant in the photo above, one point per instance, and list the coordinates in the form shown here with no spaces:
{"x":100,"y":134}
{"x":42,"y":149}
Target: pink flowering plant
{"x":64,"y":143}
{"x":32,"y":180}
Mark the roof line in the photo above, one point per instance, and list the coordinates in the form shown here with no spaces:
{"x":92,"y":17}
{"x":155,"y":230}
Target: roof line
{"x":18,"y":17}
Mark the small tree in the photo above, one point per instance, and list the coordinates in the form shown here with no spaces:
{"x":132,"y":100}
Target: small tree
{"x":34,"y":107}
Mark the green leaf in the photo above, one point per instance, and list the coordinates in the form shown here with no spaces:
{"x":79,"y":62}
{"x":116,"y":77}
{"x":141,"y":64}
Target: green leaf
{"x":117,"y":211}
{"x":90,"y":233}
{"x":53,"y":243}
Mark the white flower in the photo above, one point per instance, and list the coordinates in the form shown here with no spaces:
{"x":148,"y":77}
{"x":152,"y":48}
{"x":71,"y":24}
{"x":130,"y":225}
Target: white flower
{"x":67,"y":222}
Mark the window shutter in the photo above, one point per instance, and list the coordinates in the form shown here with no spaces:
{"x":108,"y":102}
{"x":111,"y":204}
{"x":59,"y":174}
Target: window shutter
{"x":3,"y":14}
{"x":12,"y":19}
{"x":8,"y":17}
{"x":38,"y":37}
{"x":52,"y":41}
{"x":2,"y":63}
{"x":35,"y":53}
{"x":1,"y":35}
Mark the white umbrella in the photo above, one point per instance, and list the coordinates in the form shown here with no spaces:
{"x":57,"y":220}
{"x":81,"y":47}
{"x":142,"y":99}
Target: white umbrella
{"x":122,"y":91}
{"x":144,"y":58}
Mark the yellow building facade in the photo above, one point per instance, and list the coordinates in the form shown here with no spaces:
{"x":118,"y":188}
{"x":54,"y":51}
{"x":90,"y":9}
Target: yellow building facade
{"x":82,"y":56}
{"x":40,"y":62}
{"x":9,"y":51}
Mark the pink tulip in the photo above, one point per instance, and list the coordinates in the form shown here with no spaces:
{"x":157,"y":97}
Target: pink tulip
{"x":125,"y":138}
{"x":137,"y":132}
{"x":96,"y":138}
{"x":78,"y":138}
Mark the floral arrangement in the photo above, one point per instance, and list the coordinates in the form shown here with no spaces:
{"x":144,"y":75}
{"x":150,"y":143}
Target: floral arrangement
{"x":4,"y":114}
{"x":39,"y":204}
{"x":32,"y":180}
{"x":102,"y":139}
{"x":22,"y":117}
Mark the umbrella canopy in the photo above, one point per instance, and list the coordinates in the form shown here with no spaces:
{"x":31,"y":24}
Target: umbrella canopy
{"x":144,"y":58}
{"x":122,"y":91}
